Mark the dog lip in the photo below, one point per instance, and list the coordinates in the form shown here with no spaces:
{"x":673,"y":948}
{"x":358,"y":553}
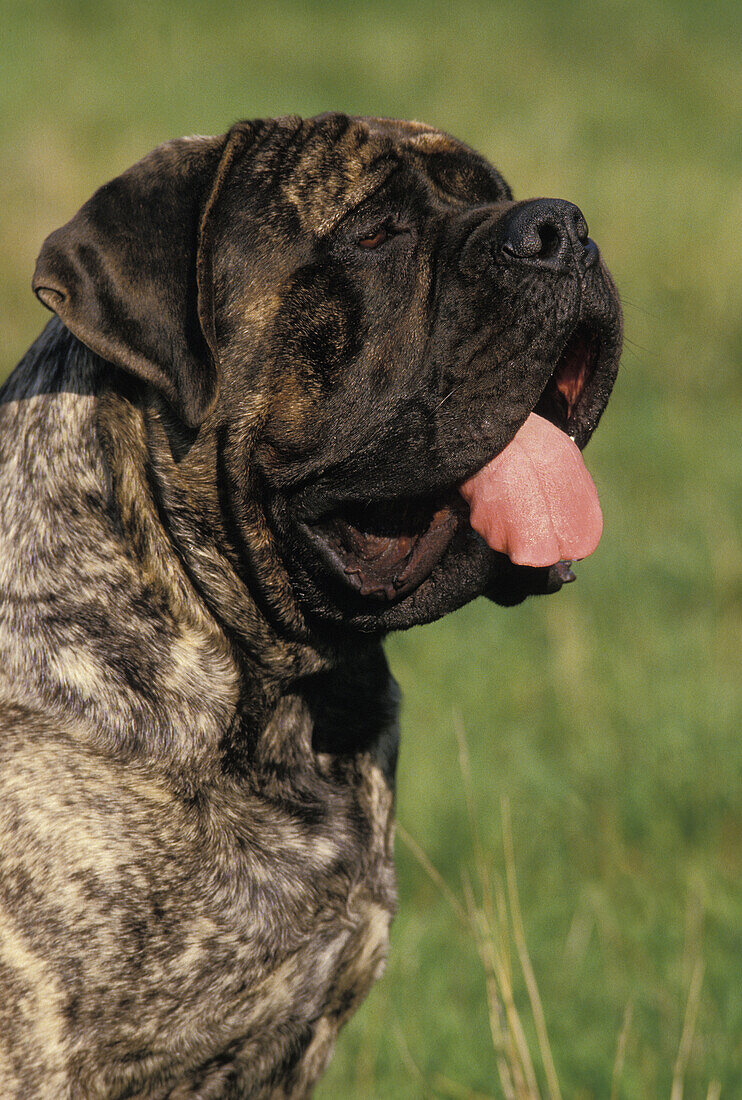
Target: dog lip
{"x":594,"y":396}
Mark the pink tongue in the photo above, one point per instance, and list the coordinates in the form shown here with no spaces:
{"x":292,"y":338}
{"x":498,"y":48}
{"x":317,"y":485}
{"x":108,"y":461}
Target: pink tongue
{"x":535,"y":501}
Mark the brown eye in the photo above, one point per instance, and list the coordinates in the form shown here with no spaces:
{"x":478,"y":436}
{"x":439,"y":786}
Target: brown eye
{"x":378,"y":238}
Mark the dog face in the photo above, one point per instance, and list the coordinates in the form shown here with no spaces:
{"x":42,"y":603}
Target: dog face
{"x":360,"y":317}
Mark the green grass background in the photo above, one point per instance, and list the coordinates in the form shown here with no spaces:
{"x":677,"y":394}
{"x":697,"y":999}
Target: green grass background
{"x":610,"y":715}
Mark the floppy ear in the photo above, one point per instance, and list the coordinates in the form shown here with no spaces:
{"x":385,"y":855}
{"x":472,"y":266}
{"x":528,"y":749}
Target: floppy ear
{"x":128,"y":275}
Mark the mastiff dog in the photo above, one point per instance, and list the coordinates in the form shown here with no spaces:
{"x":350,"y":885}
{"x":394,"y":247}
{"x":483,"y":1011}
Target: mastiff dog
{"x":308,"y":382}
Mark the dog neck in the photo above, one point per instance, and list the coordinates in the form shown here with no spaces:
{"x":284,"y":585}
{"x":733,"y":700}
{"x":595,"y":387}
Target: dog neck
{"x":144,"y":627}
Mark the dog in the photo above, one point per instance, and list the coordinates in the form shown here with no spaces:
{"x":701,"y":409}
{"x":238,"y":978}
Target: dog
{"x":278,"y":413}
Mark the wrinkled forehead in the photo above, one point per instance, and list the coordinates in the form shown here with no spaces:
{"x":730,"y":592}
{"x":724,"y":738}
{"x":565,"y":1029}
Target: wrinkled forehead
{"x":344,"y":161}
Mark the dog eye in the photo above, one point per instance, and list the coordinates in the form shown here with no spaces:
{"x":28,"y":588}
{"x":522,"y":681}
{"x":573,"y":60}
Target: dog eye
{"x":376,"y":239}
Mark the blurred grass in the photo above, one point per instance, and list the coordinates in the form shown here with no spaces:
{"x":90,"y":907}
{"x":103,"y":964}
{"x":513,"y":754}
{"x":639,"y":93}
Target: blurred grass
{"x":610,"y":715}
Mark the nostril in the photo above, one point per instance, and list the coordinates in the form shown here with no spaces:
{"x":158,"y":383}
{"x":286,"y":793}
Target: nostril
{"x":551,"y":240}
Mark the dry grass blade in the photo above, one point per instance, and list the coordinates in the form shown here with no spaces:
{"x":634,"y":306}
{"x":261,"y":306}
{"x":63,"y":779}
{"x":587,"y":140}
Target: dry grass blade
{"x":493,"y":944}
{"x":495,"y":923}
{"x":689,"y":1026}
{"x":507,"y":1050}
{"x":409,"y":1061}
{"x":456,"y":1091}
{"x":525,"y":960}
{"x":435,"y":876}
{"x":465,"y":766}
{"x":514,"y":1064}
{"x":623,"y":1037}
{"x":497,"y":919}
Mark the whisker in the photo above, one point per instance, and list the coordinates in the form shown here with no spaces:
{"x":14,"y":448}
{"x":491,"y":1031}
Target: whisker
{"x":638,"y":347}
{"x":652,"y":314}
{"x":449,"y":394}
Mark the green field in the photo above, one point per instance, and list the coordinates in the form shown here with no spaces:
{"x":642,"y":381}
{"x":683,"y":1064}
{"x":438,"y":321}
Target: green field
{"x":609,"y":715}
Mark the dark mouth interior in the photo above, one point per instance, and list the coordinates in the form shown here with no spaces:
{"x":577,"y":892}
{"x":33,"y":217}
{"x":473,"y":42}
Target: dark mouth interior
{"x":575,"y":367}
{"x":384,"y":550}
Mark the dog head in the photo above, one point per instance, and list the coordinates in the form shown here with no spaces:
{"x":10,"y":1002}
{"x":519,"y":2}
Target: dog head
{"x":360,"y":318}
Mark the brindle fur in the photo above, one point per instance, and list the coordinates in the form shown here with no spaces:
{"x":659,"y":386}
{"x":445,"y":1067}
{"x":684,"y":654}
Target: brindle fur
{"x":199,"y":742}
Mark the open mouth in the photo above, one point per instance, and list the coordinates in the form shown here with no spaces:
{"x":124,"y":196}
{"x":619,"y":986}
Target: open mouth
{"x":562,"y":397}
{"x":386,"y":549}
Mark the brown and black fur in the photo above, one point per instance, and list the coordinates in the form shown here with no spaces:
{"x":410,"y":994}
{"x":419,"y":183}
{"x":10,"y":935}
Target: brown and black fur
{"x":198,"y":724}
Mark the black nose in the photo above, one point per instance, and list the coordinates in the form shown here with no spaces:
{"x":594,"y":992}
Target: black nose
{"x":547,"y":232}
